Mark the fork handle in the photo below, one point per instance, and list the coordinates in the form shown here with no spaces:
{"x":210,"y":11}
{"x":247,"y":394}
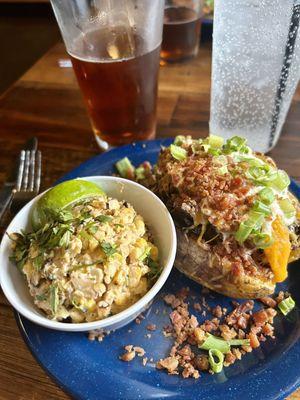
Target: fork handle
{"x":6,"y":194}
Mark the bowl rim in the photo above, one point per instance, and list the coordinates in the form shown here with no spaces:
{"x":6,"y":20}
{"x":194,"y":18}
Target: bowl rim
{"x":111,"y":320}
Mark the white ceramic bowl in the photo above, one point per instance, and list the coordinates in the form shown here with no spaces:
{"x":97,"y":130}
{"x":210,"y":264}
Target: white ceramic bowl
{"x":156,"y":217}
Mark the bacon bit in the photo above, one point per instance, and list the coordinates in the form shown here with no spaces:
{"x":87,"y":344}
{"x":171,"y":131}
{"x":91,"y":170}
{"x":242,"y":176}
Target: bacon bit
{"x":128,"y":348}
{"x":279,"y":297}
{"x":268,"y":330}
{"x":201,"y":362}
{"x":237,"y":353}
{"x":242,"y":321}
{"x":268,"y":301}
{"x":227,"y":333}
{"x":260,"y":317}
{"x":151,"y":327}
{"x":189,"y":370}
{"x":209,"y":326}
{"x":169,"y":363}
{"x":254,"y":342}
{"x":197,"y":307}
{"x":128,"y":356}
{"x":217,"y":312}
{"x":139,"y":350}
{"x":230,"y":358}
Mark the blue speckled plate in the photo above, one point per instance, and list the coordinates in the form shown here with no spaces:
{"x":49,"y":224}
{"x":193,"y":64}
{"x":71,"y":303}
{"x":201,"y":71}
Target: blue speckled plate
{"x":91,"y":370}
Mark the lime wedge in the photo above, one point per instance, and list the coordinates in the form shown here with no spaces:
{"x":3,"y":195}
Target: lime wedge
{"x":60,"y":197}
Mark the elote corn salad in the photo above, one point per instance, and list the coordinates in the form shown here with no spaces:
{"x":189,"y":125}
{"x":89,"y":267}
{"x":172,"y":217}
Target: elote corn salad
{"x":92,"y":260}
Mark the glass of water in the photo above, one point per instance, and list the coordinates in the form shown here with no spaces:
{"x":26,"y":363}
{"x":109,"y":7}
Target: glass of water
{"x":255,"y":69}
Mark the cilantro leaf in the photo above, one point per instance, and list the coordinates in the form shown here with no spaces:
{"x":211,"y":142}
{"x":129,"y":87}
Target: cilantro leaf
{"x":103,"y":218}
{"x":108,"y":249}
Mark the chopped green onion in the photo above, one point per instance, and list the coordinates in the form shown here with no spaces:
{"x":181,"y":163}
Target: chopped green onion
{"x":287,"y":208}
{"x":262,"y":240}
{"x":261,"y":173}
{"x":243,"y":232}
{"x":125,"y":168}
{"x":266,"y":196}
{"x":236,"y":143}
{"x":214,"y":152}
{"x":214,"y":342}
{"x":178,"y":153}
{"x":140,"y":173}
{"x":280,"y":180}
{"x":179,"y":140}
{"x":215,"y":142}
{"x":261,"y":208}
{"x":254,"y":221}
{"x":239,"y":342}
{"x":216,"y":360}
{"x":286,"y":305}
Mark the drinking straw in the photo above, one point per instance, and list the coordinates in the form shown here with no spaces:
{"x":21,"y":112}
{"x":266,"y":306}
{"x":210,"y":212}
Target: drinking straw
{"x":285,"y":70}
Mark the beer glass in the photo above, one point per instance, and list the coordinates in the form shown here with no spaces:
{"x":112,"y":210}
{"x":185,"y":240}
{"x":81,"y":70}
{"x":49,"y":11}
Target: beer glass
{"x":255,"y":68}
{"x":181,"y":32}
{"x":114,"y":47}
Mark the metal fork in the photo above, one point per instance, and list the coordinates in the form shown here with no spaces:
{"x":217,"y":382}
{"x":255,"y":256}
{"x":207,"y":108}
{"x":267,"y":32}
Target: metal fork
{"x":28,"y":180}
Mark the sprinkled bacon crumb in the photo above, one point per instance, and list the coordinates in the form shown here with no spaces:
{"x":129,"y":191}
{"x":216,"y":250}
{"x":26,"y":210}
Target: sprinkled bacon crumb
{"x":184,"y":357}
{"x":151,"y":327}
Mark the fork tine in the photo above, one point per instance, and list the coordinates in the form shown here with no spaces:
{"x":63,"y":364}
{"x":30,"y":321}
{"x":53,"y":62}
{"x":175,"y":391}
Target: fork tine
{"x":21,"y":169}
{"x":37,"y":182}
{"x":26,"y":171}
{"x":31,"y":171}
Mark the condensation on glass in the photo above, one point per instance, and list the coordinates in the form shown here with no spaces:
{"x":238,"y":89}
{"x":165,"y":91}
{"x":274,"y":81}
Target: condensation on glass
{"x":256,"y":68}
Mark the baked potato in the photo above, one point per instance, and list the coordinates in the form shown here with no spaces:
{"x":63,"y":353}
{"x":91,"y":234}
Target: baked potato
{"x":238,"y":226}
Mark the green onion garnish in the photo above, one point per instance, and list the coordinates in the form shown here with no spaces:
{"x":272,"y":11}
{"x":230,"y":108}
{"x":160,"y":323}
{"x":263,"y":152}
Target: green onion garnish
{"x":140,"y":173}
{"x":239,"y":342}
{"x":214,"y":152}
{"x":179,"y":140}
{"x":215,"y":142}
{"x":216,"y":360}
{"x":243,"y":232}
{"x":178,"y":153}
{"x":287,"y":208}
{"x":214,"y":342}
{"x":280,"y":180}
{"x":262,"y":240}
{"x":286,"y":305}
{"x":261,"y":208}
{"x":236,"y":143}
{"x":254,"y":222}
{"x":266,"y":196}
{"x":125,"y":168}
{"x":261,"y":174}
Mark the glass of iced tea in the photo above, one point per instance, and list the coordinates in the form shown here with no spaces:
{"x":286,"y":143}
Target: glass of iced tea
{"x":181,"y":31}
{"x":114,"y":46}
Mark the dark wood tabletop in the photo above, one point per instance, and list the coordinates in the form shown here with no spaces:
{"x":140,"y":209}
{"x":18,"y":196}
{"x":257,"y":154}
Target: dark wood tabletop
{"x":46,"y":103}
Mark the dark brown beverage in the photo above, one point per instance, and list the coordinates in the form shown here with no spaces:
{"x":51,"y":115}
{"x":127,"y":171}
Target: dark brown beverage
{"x":119,"y":85}
{"x":181,"y":34}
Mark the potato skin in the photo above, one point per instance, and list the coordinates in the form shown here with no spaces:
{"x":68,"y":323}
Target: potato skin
{"x":194,"y":262}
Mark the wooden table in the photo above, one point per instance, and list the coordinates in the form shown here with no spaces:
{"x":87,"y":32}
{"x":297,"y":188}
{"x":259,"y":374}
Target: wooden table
{"x":46,"y":103}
